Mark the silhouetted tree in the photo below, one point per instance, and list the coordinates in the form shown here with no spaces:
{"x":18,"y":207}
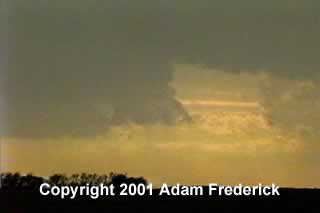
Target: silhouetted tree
{"x":58,"y":179}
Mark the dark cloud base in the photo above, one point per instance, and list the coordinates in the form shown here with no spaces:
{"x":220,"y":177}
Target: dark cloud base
{"x":67,"y":57}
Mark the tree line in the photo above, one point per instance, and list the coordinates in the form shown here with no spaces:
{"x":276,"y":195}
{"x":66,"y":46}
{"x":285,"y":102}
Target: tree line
{"x":30,"y":182}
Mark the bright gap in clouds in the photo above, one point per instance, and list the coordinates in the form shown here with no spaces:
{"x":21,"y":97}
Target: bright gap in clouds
{"x":231,"y":140}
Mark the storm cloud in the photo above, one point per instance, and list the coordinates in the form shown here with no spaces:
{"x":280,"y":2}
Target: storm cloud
{"x":77,"y":67}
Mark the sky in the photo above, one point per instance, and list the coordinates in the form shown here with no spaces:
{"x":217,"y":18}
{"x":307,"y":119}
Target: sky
{"x":82,"y":70}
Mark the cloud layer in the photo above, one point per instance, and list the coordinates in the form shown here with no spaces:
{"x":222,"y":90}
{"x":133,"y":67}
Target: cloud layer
{"x":75,"y":67}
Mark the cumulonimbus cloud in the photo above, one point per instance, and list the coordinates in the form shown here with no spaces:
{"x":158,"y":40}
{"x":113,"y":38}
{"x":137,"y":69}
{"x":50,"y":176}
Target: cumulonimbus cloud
{"x":67,"y":57}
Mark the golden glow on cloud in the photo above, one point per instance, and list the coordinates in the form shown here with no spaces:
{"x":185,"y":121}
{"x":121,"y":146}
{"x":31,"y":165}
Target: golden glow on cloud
{"x":229,"y":142}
